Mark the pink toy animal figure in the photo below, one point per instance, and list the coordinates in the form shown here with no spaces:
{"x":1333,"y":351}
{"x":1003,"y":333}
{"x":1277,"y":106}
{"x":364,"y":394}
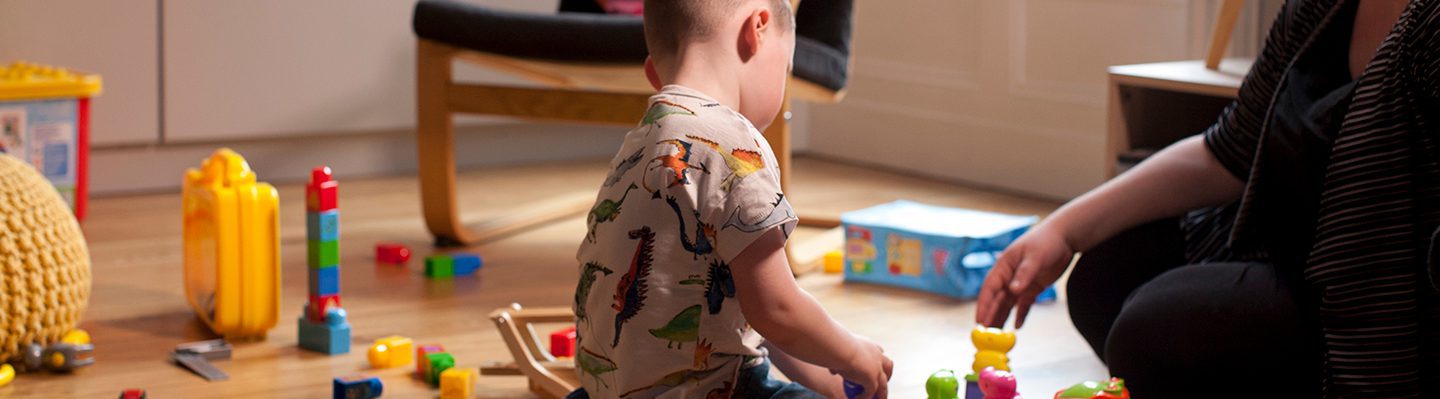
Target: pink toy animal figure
{"x":998,"y":384}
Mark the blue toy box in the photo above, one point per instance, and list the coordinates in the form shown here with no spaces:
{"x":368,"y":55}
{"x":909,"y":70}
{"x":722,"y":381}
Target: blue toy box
{"x":946,"y":251}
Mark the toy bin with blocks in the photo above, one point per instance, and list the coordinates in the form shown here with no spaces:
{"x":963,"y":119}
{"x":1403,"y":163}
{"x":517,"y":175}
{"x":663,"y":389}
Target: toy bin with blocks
{"x":934,"y":249}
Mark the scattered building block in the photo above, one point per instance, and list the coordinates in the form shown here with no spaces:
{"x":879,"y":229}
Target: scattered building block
{"x":422,"y":358}
{"x":562,"y":342}
{"x":834,"y":262}
{"x":438,"y":363}
{"x":391,"y":351}
{"x":458,"y":382}
{"x":358,"y":387}
{"x":392,"y":253}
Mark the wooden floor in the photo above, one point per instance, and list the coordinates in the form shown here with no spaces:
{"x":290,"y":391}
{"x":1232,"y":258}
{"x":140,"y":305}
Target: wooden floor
{"x":137,"y":312}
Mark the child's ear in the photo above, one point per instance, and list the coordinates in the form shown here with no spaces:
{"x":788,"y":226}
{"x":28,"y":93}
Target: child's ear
{"x":752,"y":34}
{"x":650,"y":73}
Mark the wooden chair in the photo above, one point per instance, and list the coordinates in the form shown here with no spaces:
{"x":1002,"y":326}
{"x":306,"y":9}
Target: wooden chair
{"x":587,"y":67}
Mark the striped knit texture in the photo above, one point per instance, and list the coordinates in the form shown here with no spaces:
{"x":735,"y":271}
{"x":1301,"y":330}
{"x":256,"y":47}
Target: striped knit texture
{"x":44,"y":265}
{"x":1379,"y":208}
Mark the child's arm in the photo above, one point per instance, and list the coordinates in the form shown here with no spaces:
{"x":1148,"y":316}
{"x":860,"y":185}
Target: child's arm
{"x":790,"y":319}
{"x":816,"y":378}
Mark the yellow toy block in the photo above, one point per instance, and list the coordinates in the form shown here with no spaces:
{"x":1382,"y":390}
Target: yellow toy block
{"x":232,"y":247}
{"x":391,"y":351}
{"x":458,"y":382}
{"x":834,"y":262}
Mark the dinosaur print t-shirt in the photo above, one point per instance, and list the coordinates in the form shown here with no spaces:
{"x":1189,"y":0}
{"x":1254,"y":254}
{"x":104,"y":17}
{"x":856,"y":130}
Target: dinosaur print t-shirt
{"x":690,"y":189}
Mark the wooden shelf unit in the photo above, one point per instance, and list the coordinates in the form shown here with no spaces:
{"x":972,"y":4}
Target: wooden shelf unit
{"x":1154,"y":105}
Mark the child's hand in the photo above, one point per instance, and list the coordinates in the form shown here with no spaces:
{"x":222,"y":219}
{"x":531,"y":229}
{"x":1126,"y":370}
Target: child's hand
{"x":870,"y":368}
{"x":1033,"y":262}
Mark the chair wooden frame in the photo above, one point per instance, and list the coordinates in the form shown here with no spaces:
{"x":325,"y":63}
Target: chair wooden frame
{"x":601,"y":94}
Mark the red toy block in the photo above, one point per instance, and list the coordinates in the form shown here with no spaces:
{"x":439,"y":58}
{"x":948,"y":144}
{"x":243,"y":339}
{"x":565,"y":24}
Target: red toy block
{"x":320,"y":193}
{"x":562,"y":342}
{"x":133,"y":394}
{"x":388,"y":252}
{"x":318,"y":305}
{"x":420,"y":353}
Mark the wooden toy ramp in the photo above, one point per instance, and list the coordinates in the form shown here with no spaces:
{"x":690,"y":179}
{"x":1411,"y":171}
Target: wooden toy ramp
{"x":550,"y":378}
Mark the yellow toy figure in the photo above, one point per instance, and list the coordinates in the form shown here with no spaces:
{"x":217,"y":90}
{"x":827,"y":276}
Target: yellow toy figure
{"x":991,"y":345}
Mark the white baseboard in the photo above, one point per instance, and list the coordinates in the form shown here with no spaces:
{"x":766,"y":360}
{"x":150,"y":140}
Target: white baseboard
{"x":159,"y":168}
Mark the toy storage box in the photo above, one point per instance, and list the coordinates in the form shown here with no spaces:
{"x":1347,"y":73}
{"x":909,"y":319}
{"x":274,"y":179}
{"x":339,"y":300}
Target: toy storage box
{"x":929,"y":248}
{"x":44,"y":121}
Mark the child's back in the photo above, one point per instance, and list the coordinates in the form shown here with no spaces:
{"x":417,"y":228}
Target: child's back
{"x":690,"y":189}
{"x":683,"y":268}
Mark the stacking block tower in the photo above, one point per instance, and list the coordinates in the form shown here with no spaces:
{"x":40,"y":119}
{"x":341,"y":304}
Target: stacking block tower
{"x":323,"y":327}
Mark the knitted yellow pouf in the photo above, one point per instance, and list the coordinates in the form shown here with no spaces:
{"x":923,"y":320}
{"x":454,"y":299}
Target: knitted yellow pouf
{"x":44,"y":265}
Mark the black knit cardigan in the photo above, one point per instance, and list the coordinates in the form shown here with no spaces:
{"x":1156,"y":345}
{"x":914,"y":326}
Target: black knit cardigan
{"x":1374,"y":265}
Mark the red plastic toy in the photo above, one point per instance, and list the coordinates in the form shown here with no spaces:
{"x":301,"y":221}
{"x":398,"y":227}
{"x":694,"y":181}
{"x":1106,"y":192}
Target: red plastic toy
{"x":562,"y":342}
{"x":133,"y":394}
{"x":392,"y":253}
{"x":420,"y":352}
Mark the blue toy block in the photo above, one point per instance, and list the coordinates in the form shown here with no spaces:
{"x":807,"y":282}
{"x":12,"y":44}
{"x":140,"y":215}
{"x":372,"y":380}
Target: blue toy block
{"x":467,"y":263}
{"x":322,"y":226}
{"x":972,"y":390}
{"x":324,"y":281}
{"x":358,"y":387}
{"x":331,"y":337}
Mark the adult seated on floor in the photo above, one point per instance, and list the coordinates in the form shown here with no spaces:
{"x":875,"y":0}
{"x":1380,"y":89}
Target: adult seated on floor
{"x":1311,"y":268}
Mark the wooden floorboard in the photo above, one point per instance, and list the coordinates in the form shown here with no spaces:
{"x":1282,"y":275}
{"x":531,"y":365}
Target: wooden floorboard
{"x":137,"y":311}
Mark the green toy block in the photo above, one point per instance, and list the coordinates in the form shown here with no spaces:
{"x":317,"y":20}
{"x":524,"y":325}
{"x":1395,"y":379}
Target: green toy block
{"x":322,"y":253}
{"x":439,"y":362}
{"x":439,"y":266}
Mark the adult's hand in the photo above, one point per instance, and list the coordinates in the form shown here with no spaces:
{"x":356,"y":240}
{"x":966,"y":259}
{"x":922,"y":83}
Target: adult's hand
{"x":1031,"y":263}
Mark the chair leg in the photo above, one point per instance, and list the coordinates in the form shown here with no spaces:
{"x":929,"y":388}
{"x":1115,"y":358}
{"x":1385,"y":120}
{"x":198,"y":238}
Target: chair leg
{"x":434,"y":140}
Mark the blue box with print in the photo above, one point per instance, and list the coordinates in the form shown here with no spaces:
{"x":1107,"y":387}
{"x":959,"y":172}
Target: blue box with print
{"x":947,"y":251}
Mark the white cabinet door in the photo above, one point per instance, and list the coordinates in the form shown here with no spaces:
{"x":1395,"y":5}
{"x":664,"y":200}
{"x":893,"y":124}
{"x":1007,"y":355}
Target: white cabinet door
{"x":256,"y":69}
{"x":116,"y":39}
{"x":268,"y":68}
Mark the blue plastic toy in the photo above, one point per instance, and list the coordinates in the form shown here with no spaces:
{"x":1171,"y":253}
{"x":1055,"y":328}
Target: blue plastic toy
{"x":929,"y":248}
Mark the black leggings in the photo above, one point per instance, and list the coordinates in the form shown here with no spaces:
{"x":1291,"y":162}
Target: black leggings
{"x":1173,"y":330}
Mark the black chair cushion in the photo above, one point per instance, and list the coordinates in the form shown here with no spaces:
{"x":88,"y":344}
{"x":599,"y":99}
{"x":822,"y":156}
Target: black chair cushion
{"x":822,"y":46}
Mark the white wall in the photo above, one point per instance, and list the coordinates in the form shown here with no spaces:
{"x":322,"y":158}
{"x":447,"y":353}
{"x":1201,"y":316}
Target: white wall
{"x":1007,"y":94}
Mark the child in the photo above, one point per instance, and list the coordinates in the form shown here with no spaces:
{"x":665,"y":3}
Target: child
{"x":685,"y":248}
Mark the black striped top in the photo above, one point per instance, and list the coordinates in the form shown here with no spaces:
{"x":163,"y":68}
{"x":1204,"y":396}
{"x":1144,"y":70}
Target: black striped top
{"x":1374,"y":262}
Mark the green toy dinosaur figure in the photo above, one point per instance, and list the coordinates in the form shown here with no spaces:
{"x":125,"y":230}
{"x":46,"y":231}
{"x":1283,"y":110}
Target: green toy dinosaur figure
{"x":605,"y":211}
{"x":582,"y":290}
{"x":685,"y":327}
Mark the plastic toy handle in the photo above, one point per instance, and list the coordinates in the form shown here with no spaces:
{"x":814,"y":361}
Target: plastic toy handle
{"x":853,"y":390}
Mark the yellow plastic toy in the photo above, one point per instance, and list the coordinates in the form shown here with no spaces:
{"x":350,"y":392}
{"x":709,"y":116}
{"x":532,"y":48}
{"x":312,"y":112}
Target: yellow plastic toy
{"x":458,"y":382}
{"x":77,"y":337}
{"x":391,"y":351}
{"x":991,"y":347}
{"x":834,"y":262}
{"x":7,"y":374}
{"x":232,"y":256}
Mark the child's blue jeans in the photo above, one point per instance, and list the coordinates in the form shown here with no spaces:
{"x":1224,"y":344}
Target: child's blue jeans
{"x":754,"y":382}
